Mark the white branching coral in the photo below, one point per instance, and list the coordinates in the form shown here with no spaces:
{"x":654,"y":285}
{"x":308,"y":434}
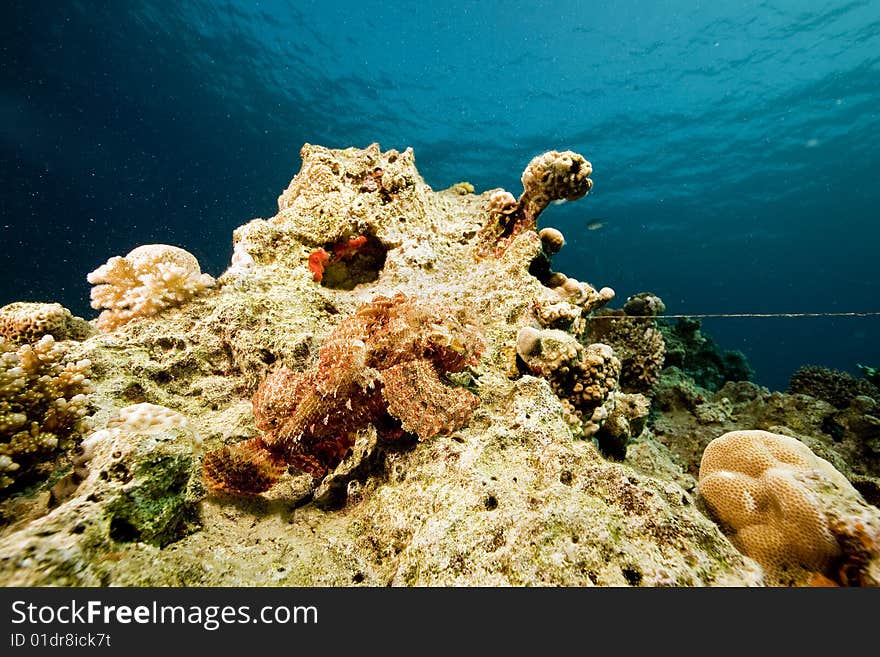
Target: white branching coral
{"x":149,"y":279}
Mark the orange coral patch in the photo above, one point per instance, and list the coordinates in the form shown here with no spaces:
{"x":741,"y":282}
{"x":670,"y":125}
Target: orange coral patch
{"x":317,"y":260}
{"x":347,"y":248}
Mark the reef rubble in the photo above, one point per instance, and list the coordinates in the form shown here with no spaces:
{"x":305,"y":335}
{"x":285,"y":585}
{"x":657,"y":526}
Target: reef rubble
{"x":284,"y":425}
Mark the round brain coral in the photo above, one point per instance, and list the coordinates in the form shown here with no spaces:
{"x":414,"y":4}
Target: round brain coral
{"x":147,"y":280}
{"x":776,"y":497}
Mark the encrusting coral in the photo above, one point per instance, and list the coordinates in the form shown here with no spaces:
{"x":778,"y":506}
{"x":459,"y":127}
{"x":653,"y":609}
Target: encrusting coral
{"x":790,"y":510}
{"x":386,"y":359}
{"x":147,"y":280}
{"x":22,"y":322}
{"x":43,"y":404}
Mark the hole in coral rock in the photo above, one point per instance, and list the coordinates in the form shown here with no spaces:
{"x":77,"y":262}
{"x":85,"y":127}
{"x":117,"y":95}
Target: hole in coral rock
{"x":566,"y":477}
{"x":491,"y":503}
{"x":540,"y":268}
{"x":267,"y":356}
{"x":358,"y":578}
{"x":123,"y":531}
{"x":353,"y":261}
{"x":632,"y":576}
{"x":134,"y":392}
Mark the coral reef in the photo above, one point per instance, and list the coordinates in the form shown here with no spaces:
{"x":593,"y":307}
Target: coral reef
{"x":23,"y":322}
{"x":582,"y":377}
{"x":871,"y":374}
{"x":553,"y":176}
{"x":43,"y":404}
{"x":698,"y":356}
{"x":789,"y":509}
{"x":585,"y":378}
{"x":348,"y":263}
{"x":147,"y":280}
{"x":462,"y":188}
{"x":137,"y":488}
{"x":388,"y":357}
{"x":502,"y":494}
{"x":636,"y":341}
{"x":837,"y":388}
{"x":567,"y":304}
{"x":552,"y":240}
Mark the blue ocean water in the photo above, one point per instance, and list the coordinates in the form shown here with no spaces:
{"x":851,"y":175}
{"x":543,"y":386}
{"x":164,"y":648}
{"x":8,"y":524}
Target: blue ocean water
{"x":735,"y":144}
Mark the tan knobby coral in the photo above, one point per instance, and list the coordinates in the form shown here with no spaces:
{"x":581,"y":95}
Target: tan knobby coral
{"x":581,"y":376}
{"x":43,"y":404}
{"x":554,"y":176}
{"x":149,"y":279}
{"x":24,"y":321}
{"x":150,"y":418}
{"x":787,"y":508}
{"x":637,"y":342}
{"x":549,"y":177}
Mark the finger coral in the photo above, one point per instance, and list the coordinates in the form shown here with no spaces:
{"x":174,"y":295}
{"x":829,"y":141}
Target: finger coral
{"x":387,"y":359}
{"x":22,"y":322}
{"x":43,"y":403}
{"x":149,"y":279}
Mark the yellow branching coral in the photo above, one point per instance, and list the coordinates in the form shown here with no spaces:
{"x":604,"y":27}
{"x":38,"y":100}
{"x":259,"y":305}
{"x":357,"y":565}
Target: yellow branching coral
{"x":43,"y":403}
{"x":149,"y":279}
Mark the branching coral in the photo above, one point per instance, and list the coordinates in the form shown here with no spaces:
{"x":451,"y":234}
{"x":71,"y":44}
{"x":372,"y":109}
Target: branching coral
{"x":22,"y":322}
{"x":43,"y":403}
{"x":837,"y":388}
{"x":149,"y":279}
{"x":388,"y":358}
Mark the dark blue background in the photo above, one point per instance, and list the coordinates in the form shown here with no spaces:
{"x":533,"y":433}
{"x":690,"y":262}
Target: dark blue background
{"x":735,"y":145}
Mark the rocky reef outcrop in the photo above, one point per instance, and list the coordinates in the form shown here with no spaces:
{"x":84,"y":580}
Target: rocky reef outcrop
{"x":389,"y":385}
